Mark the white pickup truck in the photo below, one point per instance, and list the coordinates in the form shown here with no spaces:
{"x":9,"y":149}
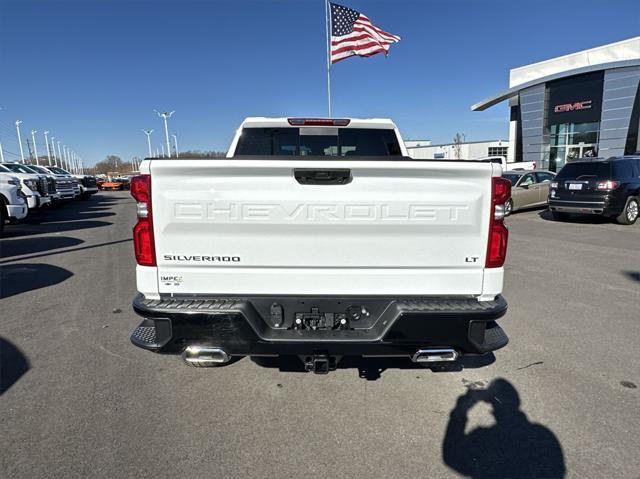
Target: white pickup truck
{"x":319,"y":238}
{"x":12,"y":203}
{"x":512,"y":166}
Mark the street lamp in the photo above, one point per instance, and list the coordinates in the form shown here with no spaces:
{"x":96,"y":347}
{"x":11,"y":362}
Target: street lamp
{"x":53,"y":147}
{"x":164,"y":115}
{"x":66,"y":157}
{"x":148,"y":133}
{"x":35,"y":148}
{"x":18,"y":122}
{"x":175,"y":144}
{"x":60,"y":155}
{"x":46,"y":142}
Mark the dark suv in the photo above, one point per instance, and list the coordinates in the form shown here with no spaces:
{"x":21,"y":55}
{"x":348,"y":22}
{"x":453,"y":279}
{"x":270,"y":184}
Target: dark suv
{"x":608,"y":187}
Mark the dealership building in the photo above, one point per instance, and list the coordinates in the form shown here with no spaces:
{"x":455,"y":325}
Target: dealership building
{"x":584,"y":104}
{"x":468,"y":150}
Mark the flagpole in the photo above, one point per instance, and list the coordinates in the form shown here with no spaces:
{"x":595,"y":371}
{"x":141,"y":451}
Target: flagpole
{"x":328,"y":26}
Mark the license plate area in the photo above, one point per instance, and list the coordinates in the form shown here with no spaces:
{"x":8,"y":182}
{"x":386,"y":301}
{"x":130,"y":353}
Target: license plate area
{"x":321,"y":314}
{"x":575,"y":186}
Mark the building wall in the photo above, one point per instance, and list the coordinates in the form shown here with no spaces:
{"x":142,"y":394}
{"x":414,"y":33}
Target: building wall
{"x":415,"y":143}
{"x":468,"y":151}
{"x":620,"y":88}
{"x":619,"y":91}
{"x":532,"y":102}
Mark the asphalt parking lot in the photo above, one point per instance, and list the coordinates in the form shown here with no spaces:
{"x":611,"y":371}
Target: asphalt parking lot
{"x":78,"y":400}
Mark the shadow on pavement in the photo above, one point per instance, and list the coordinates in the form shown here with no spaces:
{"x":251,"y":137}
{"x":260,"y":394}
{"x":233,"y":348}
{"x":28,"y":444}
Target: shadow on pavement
{"x":13,"y":365}
{"x":371,"y":369}
{"x":512,"y":447}
{"x":81,"y":248}
{"x":632,"y":275}
{"x":580,"y":219}
{"x":28,"y":229}
{"x":93,"y":214}
{"x":23,"y":277}
{"x":70,"y":216}
{"x":19,"y":247}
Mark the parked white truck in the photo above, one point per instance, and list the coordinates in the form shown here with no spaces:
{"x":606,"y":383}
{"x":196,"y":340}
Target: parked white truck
{"x":34,"y":186}
{"x":319,"y":238}
{"x":13,"y":205}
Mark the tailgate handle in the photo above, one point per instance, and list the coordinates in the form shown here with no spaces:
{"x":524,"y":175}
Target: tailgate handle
{"x":306,"y":176}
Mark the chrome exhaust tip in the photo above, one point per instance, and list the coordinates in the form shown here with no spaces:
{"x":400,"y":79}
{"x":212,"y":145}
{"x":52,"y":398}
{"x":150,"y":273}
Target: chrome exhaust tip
{"x":435,"y":355}
{"x":204,"y":354}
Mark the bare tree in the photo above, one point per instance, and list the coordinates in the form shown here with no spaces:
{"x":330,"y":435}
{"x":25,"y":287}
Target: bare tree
{"x":458,"y":140}
{"x":112,"y":164}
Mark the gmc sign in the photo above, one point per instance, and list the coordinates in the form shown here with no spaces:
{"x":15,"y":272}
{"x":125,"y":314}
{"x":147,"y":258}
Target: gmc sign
{"x":579,"y":105}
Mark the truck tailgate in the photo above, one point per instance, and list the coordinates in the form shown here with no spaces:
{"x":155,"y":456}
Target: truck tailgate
{"x":248,"y":227}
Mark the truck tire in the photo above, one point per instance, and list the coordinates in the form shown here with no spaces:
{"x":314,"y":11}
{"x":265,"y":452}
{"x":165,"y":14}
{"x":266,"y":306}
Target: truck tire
{"x":559,"y":216}
{"x":630,"y":212}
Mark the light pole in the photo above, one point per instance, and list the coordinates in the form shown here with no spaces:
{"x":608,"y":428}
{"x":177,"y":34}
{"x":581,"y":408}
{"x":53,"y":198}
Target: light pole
{"x":163,"y":155}
{"x":35,"y":148}
{"x":148,"y":133}
{"x":164,"y":115}
{"x":46,"y":142}
{"x":18,"y":122}
{"x":60,"y":156}
{"x":157,"y":152}
{"x":1,"y":153}
{"x":66,"y":157}
{"x":53,"y":147}
{"x":175,"y":144}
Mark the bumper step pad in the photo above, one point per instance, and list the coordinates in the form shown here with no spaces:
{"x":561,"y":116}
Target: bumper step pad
{"x":152,"y":334}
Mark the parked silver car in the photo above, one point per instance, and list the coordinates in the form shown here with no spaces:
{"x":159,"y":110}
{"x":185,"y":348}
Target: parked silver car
{"x":528,"y":189}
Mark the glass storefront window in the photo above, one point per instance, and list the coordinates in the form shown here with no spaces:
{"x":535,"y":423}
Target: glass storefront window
{"x":570,"y":141}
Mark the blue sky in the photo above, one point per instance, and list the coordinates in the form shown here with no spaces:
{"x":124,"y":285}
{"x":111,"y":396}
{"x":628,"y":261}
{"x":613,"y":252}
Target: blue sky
{"x":92,"y":71}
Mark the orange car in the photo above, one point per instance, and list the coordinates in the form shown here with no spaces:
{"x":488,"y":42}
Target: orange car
{"x":116,"y":184}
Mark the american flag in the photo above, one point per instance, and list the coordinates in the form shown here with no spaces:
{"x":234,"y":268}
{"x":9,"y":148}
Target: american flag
{"x":352,"y":33}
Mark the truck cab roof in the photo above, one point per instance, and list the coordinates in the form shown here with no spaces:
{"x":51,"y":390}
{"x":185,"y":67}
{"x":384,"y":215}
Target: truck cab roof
{"x":265,"y":122}
{"x":282,"y":136}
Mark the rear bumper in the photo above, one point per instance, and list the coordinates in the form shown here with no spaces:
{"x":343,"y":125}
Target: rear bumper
{"x":602,"y":207}
{"x":397,"y":326}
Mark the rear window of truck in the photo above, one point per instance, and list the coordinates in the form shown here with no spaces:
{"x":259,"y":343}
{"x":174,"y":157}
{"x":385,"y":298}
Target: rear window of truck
{"x":318,"y":141}
{"x":600,"y":170}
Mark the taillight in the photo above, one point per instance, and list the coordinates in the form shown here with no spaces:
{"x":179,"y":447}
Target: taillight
{"x":498,"y":232}
{"x":318,"y":121}
{"x":553,"y":184}
{"x":607,"y":185}
{"x":143,"y":243}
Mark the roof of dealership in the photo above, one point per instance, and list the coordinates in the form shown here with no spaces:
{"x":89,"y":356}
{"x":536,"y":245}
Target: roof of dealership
{"x":621,"y":54}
